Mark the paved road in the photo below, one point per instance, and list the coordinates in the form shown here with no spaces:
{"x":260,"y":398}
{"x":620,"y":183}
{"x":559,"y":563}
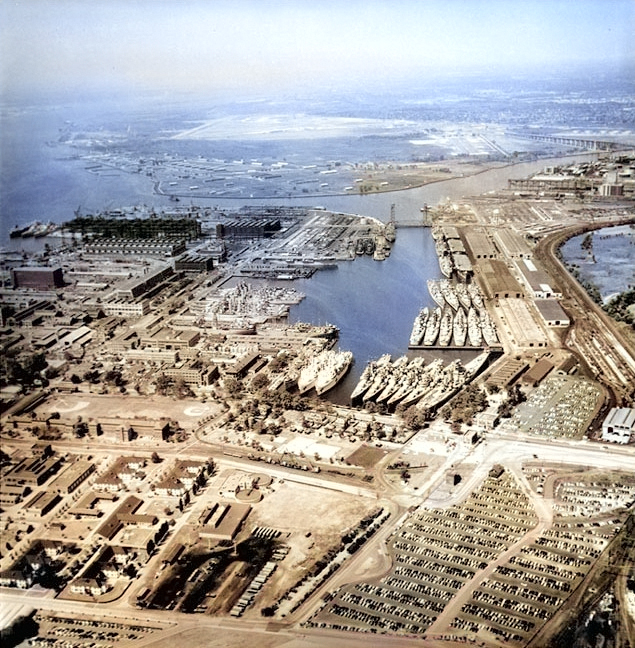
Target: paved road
{"x":373,"y":557}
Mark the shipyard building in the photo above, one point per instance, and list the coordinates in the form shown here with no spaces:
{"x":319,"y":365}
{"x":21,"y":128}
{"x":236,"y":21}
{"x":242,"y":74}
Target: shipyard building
{"x":248,"y":228}
{"x":37,"y":277}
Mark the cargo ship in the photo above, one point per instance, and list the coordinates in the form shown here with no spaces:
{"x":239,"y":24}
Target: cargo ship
{"x":324,"y":371}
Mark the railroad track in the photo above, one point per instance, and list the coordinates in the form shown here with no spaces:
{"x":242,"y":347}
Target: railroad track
{"x":594,"y":336}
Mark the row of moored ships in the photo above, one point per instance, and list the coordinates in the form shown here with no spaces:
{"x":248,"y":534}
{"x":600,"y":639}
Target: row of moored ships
{"x":411,"y":382}
{"x":460,"y":317}
{"x":321,"y":372}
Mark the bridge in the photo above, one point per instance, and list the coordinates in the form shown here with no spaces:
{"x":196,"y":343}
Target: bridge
{"x":424,"y":221}
{"x":575,"y":142}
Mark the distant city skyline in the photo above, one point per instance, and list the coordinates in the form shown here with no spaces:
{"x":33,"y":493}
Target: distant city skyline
{"x":247,"y":47}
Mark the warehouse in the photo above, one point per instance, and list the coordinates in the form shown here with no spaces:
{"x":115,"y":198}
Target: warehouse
{"x":619,"y":425}
{"x":537,"y":280}
{"x":499,"y":282}
{"x":551,"y":311}
{"x":37,"y":277}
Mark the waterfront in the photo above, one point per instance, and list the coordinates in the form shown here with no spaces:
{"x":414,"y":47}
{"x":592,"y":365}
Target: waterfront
{"x":49,"y":182}
{"x":372,"y":303}
{"x":609,"y":264}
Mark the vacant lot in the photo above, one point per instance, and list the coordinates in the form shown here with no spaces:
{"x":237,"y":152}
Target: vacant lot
{"x":367,"y":456}
{"x":186,"y":412}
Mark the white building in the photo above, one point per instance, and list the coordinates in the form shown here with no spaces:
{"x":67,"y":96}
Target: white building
{"x":619,"y":425}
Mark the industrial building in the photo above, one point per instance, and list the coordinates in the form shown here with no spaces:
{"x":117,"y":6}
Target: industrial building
{"x":193,"y":263}
{"x":619,"y":425}
{"x":167,"y":339}
{"x":125,"y":246}
{"x":141,"y":285}
{"x":193,"y":372}
{"x":125,"y":308}
{"x":538,"y":372}
{"x":248,"y":228}
{"x":37,"y":277}
{"x":552,"y":313}
{"x":499,"y":282}
{"x":222,"y":520}
{"x":72,"y":477}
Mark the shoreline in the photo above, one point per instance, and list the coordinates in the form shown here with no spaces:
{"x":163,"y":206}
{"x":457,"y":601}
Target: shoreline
{"x":159,"y":192}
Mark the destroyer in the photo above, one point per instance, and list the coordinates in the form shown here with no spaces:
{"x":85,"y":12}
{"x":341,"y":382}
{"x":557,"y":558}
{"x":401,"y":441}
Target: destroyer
{"x":474,"y":328}
{"x":419,"y":327}
{"x":432,"y":327}
{"x":445,"y":329}
{"x":449,"y":294}
{"x":460,"y":327}
{"x":435,"y":291}
{"x":368,"y":376}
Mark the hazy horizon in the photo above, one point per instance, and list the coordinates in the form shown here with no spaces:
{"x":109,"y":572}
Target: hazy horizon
{"x":246,"y":49}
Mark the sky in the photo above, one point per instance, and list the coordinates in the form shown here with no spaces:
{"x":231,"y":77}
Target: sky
{"x":254,"y":46}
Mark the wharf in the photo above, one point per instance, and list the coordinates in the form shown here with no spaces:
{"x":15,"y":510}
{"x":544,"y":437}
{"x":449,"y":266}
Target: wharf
{"x":437,"y":347}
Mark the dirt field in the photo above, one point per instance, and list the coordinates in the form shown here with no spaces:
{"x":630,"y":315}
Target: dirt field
{"x":388,"y":177}
{"x":297,"y":510}
{"x":187,"y":412}
{"x":366,"y":456}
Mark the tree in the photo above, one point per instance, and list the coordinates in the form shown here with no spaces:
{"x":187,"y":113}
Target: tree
{"x":232,"y":386}
{"x":182,"y":389}
{"x":163,"y":384}
{"x":260,"y":381}
{"x":34,"y":363}
{"x":414,"y":418}
{"x":154,"y":457}
{"x":114,"y":377}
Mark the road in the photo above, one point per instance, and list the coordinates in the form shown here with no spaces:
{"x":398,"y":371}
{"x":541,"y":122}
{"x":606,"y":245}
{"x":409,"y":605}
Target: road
{"x":373,"y":560}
